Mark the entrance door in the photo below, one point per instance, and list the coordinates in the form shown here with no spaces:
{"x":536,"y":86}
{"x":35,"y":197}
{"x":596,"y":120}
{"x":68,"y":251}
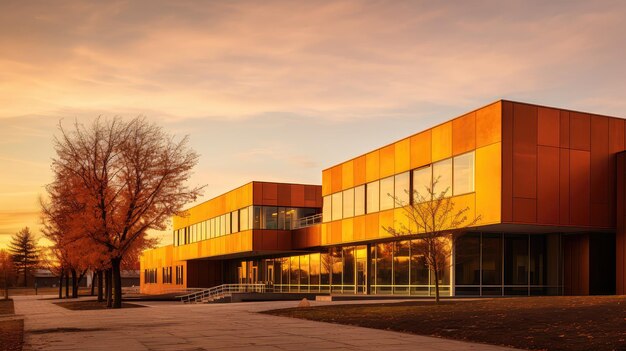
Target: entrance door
{"x":270,"y":273}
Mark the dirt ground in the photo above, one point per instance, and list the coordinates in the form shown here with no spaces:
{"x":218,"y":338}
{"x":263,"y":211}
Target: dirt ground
{"x":91,"y":305}
{"x":11,"y":330}
{"x":534,"y":323}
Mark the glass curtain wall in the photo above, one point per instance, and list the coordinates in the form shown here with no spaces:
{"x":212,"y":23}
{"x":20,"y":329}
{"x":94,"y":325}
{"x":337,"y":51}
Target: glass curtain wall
{"x":508,"y":264}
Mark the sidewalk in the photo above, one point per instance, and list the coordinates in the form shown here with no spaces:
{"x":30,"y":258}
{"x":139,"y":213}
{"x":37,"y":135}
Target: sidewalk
{"x":174,"y":326}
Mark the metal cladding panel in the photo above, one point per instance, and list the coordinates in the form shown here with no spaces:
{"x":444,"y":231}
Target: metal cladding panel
{"x":360,"y":170}
{"x":507,"y":161}
{"x":599,"y":176}
{"x":616,"y":144}
{"x":371,"y":226}
{"x":402,"y":155}
{"x":464,"y":134}
{"x":284,"y":194}
{"x":564,"y":134}
{"x":524,"y":210}
{"x":336,"y":178}
{"x":347,"y":175}
{"x":548,"y":185}
{"x":489,"y":124}
{"x":307,"y":237}
{"x":579,"y":126}
{"x":359,"y":228}
{"x":548,"y":127}
{"x":387,"y":161}
{"x":564,"y":200}
{"x":524,"y":151}
{"x":372,"y":166}
{"x":347,"y":230}
{"x":488,"y":189}
{"x":297,"y":194}
{"x":335,"y":232}
{"x":579,"y":187}
{"x":620,"y":236}
{"x":326,"y":182}
{"x":421,"y":149}
{"x":442,"y":142}
{"x":270,"y":194}
{"x":576,"y":264}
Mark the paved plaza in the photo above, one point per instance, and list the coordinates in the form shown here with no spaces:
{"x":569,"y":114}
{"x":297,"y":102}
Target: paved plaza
{"x":174,"y":326}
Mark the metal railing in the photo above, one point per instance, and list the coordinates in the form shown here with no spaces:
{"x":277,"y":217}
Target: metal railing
{"x":220,"y":291}
{"x":308,"y":221}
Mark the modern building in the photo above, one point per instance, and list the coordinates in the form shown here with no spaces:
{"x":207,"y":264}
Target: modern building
{"x":548,"y":185}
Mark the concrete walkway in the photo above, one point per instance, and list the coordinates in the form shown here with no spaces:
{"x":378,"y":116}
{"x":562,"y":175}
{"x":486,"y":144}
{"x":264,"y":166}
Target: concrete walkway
{"x":174,"y":326}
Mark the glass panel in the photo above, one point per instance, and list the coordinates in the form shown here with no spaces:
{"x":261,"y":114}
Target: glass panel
{"x":402,"y":185}
{"x":285,"y":270}
{"x":359,"y":200}
{"x":304,"y":270}
{"x":401,"y":259}
{"x":464,"y":174}
{"x":269,"y":218}
{"x":251,"y":217}
{"x":256,"y":220}
{"x":386,"y":193}
{"x":326,"y":209}
{"x":337,"y":206}
{"x":515,"y":260}
{"x":314,"y":268}
{"x":295,"y":270}
{"x":372,"y":197}
{"x":538,"y":266}
{"x":235,"y":220}
{"x":467,"y":260}
{"x":227,"y":223}
{"x":326,"y":263}
{"x":222,"y":225}
{"x":442,"y":176}
{"x":384,"y":263}
{"x":492,"y":259}
{"x":348,"y":265}
{"x":348,"y":203}
{"x":337,"y":265}
{"x":243,"y":216}
{"x":419,"y":268}
{"x":291,"y":214}
{"x":281,"y":218}
{"x":422,"y":182}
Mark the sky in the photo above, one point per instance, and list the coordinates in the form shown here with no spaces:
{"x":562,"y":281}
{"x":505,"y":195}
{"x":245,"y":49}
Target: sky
{"x":279,"y":90}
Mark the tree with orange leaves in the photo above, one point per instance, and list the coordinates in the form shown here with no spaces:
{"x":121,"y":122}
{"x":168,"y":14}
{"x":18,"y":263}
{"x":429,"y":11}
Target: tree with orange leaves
{"x":128,"y":177}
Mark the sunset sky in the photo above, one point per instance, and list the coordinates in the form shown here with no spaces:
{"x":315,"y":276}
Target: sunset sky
{"x":279,"y":90}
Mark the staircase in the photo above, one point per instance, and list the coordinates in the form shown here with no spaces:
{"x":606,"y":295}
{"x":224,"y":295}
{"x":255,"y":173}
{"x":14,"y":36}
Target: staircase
{"x":219,"y":292}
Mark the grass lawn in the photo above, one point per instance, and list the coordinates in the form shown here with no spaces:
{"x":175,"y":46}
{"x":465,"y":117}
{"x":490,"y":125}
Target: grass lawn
{"x":91,"y":305}
{"x":11,"y":330}
{"x":535,"y":323}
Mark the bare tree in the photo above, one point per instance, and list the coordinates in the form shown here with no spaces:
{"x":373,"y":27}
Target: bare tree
{"x":432,"y":219}
{"x":131,"y":178}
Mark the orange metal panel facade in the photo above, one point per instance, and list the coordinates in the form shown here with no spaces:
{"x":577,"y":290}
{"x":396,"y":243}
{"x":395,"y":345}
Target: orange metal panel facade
{"x":620,"y":237}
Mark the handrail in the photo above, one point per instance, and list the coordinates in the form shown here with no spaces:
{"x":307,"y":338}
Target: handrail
{"x":308,"y":221}
{"x":219,"y":291}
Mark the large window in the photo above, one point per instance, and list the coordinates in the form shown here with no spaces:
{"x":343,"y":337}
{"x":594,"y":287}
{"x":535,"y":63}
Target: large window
{"x":243,"y":219}
{"x":464,"y":174}
{"x":359,"y":200}
{"x":327,"y":209}
{"x":386,"y":193}
{"x":402,"y":188}
{"x":442,"y":177}
{"x":372,"y":198}
{"x":422,"y":183}
{"x":337,"y":206}
{"x":235,"y":221}
{"x":348,"y":203}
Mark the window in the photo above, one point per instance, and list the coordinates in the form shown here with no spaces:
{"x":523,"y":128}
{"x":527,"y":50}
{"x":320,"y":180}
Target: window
{"x":442,"y":176}
{"x":235,"y":220}
{"x":256,"y":217}
{"x":222,"y":225}
{"x":179,"y":275}
{"x":372,"y":198}
{"x":386,"y":193}
{"x":359,"y":200}
{"x":212,"y":228}
{"x":422,"y":183}
{"x":464,"y":174}
{"x":150,"y":276}
{"x":326,"y":209}
{"x":243,"y":216}
{"x":348,"y":203}
{"x":402,"y":186}
{"x":167,"y":275}
{"x":270,"y":217}
{"x":227,"y":223}
{"x":337,"y":205}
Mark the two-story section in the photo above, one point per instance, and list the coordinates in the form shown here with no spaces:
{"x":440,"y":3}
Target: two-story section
{"x":217,"y":241}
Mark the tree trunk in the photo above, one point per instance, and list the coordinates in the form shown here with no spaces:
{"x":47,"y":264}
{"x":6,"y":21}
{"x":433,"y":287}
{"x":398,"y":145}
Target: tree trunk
{"x":61,"y":285}
{"x":436,"y":269}
{"x":100,"y":290}
{"x":6,"y":284}
{"x":74,"y":283}
{"x":67,"y":285}
{"x":93,"y":284}
{"x":117,"y":282}
{"x":108,"y":288}
{"x":25,"y":277}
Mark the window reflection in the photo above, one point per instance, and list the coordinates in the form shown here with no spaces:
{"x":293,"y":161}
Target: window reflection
{"x":337,"y":206}
{"x":386,"y":193}
{"x":442,"y":178}
{"x":422,"y":183}
{"x":402,"y":184}
{"x":359,"y":200}
{"x":326,"y":209}
{"x":464,"y":174}
{"x":372,"y":198}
